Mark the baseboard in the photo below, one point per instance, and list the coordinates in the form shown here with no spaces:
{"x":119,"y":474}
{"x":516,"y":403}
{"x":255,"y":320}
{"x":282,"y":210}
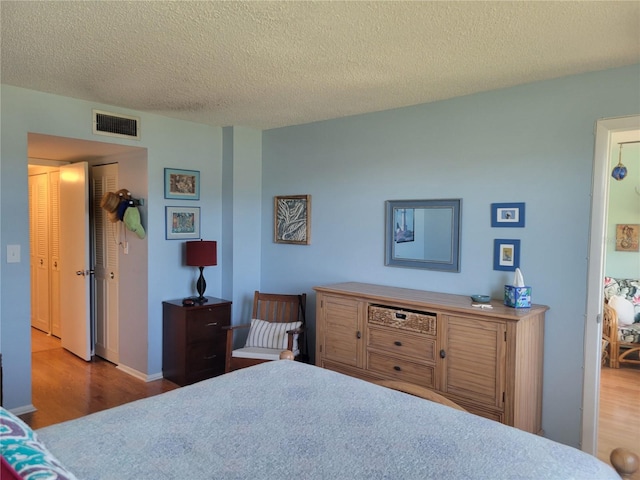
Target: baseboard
{"x":139,"y":375}
{"x":22,"y":410}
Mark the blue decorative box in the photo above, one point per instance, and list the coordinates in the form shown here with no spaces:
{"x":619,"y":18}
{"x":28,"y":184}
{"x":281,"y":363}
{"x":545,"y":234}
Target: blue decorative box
{"x":517,"y":297}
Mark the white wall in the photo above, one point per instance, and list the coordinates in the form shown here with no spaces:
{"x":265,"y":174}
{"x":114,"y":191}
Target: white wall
{"x":531,"y":144}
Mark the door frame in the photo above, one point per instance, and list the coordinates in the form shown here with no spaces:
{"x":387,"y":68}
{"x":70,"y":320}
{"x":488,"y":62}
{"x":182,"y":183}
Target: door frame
{"x":604,"y":130}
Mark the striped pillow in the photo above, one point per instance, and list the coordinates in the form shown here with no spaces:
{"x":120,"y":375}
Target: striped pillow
{"x":264,"y":334}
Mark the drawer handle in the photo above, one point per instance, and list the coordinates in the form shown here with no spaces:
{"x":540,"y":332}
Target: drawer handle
{"x":358,"y":334}
{"x":402,"y":316}
{"x":212,"y":324}
{"x":443,"y":354}
{"x":397,"y":368}
{"x":397,"y":343}
{"x":211,"y":357}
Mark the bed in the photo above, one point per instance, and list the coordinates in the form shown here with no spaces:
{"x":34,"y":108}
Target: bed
{"x":286,"y":419}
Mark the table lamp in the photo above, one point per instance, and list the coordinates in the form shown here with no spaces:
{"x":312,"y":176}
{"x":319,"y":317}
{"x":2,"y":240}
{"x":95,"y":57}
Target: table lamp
{"x":201,"y":253}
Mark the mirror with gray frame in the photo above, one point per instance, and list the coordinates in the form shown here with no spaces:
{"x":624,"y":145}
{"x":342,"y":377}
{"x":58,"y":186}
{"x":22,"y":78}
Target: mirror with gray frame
{"x":423,"y":234}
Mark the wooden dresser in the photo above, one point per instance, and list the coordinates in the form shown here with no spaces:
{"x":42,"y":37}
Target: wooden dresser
{"x":487,"y":360}
{"x":193,"y":340}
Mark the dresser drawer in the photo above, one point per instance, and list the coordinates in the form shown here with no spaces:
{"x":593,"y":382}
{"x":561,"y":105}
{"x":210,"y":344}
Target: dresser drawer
{"x":402,"y":370}
{"x":419,"y":347}
{"x":205,"y":324}
{"x":405,"y":319}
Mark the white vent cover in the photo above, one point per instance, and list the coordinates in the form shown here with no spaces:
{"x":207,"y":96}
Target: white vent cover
{"x":116,"y":125}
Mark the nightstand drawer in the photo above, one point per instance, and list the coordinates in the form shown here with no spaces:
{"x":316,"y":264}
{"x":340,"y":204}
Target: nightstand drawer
{"x":205,"y":357}
{"x":402,"y":370}
{"x":206,"y":324}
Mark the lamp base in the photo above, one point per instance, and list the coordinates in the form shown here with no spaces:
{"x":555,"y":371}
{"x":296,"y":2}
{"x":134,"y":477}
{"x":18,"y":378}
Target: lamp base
{"x":201,"y":286}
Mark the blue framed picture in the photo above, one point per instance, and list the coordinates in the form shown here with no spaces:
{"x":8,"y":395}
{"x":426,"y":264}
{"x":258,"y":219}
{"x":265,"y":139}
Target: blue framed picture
{"x":181,"y":184}
{"x":506,"y":254}
{"x":507,"y":214}
{"x":182,"y":223}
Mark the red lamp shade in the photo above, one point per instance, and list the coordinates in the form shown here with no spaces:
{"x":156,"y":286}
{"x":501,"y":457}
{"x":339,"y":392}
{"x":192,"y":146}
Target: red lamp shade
{"x":202,"y":253}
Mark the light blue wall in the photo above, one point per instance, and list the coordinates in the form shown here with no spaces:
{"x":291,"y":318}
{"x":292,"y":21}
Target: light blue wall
{"x":169,"y":143}
{"x":624,"y":207}
{"x":242,"y":188}
{"x":532,"y":144}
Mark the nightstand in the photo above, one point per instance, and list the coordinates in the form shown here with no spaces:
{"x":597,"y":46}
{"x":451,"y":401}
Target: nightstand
{"x":193,"y":339}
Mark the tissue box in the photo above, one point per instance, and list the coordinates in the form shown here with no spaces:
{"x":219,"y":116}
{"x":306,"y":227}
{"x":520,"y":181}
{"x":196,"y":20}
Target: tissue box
{"x":517,"y":297}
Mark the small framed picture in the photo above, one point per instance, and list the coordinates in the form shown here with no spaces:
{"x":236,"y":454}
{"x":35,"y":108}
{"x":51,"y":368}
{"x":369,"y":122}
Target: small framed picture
{"x":181,"y":184}
{"x":627,"y":237}
{"x":292,"y":219}
{"x":506,"y":254}
{"x":507,"y":214}
{"x":183,"y":223}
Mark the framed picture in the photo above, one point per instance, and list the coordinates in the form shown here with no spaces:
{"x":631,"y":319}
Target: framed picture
{"x":181,"y":184}
{"x":507,"y":214}
{"x":506,"y":254}
{"x":404,"y":225}
{"x":183,"y":223}
{"x":292,"y":219}
{"x":627,"y":237}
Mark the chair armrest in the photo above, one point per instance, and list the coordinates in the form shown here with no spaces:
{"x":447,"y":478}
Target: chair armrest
{"x":609,"y":322}
{"x":296,"y":330}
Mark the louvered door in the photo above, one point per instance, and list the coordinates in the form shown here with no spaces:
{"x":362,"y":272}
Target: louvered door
{"x":39,"y":251}
{"x":106,"y":242}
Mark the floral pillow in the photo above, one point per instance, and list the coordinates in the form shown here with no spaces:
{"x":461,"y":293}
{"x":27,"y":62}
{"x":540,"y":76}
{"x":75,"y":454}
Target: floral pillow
{"x":23,"y":452}
{"x":629,"y":289}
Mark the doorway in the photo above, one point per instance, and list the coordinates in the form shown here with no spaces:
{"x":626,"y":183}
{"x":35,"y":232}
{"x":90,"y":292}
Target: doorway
{"x":53,"y":150}
{"x":608,"y":133}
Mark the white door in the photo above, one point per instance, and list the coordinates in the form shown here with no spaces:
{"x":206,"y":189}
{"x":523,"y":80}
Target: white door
{"x":74,"y":259}
{"x":106,"y":241}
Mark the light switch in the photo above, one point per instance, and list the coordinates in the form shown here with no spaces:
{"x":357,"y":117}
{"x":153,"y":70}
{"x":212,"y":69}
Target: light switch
{"x":13,"y":253}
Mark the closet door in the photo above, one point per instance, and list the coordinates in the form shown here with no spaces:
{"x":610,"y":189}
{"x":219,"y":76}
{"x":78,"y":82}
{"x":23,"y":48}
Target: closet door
{"x":104,"y":178}
{"x":39,"y":251}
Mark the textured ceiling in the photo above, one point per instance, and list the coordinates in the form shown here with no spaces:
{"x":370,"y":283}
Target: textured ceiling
{"x":273,"y":64}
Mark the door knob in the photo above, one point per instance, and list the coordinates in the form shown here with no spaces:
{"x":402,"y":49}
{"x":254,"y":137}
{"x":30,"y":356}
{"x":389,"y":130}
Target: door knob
{"x":112,"y":276}
{"x":80,"y":273}
{"x":41,"y":261}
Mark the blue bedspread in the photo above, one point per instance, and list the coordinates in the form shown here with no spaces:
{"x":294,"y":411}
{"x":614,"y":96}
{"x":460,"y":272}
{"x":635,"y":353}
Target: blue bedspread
{"x":289,"y":420}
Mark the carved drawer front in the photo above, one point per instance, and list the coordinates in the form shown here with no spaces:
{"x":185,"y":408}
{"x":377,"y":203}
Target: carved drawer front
{"x":411,"y":320}
{"x":204,"y":324}
{"x":402,"y":370}
{"x":419,"y":347}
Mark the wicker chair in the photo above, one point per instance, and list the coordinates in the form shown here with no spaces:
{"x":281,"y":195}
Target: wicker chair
{"x":623,"y":342}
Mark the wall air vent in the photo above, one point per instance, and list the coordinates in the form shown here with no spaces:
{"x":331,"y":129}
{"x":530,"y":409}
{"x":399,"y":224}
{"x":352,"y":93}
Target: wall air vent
{"x":116,"y":125}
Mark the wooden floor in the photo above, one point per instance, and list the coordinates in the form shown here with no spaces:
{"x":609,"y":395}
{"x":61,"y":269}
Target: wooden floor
{"x":66,"y":387}
{"x":619,"y":422}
